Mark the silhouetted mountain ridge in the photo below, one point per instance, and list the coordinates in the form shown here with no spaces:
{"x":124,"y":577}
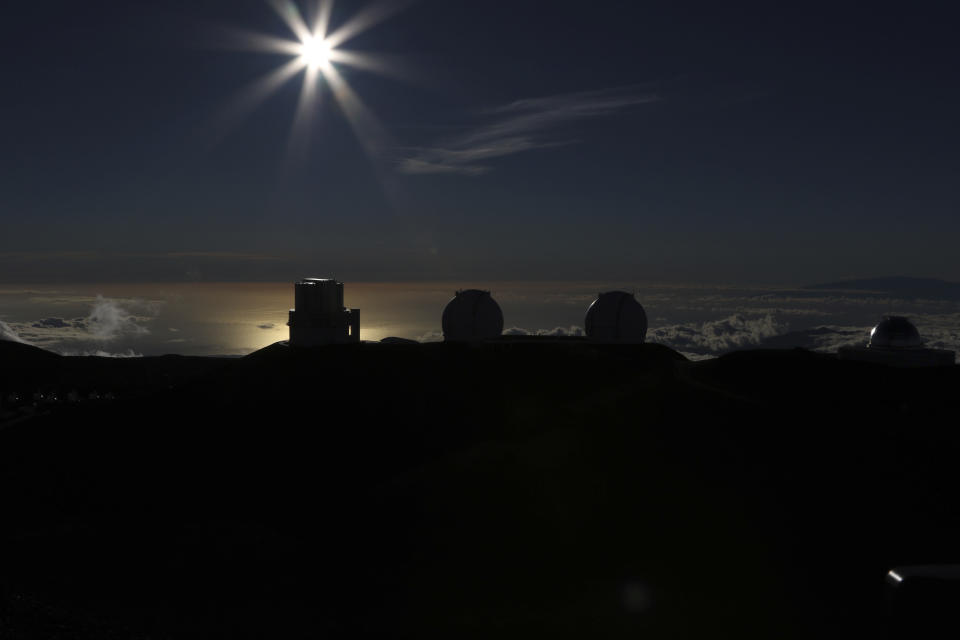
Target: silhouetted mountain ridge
{"x":19,"y":354}
{"x":524,"y":488}
{"x":27,"y":369}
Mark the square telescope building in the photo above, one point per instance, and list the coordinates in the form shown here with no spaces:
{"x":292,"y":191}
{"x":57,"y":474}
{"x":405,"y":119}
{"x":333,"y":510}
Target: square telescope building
{"x":320,"y":317}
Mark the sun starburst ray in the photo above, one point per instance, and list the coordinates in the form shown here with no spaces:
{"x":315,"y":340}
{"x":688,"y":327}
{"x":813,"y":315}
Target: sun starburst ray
{"x":374,"y":63}
{"x":368,"y":17}
{"x":232,"y":38}
{"x":289,"y":12}
{"x":308,"y":106}
{"x":254,"y":94}
{"x":321,"y":23}
{"x":370,"y":133}
{"x":315,"y":53}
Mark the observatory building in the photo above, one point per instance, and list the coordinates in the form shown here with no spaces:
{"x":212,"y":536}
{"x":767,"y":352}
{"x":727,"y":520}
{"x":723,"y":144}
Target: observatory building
{"x":471,"y":316}
{"x":320,"y":317}
{"x":616,"y":316}
{"x":895,"y":341}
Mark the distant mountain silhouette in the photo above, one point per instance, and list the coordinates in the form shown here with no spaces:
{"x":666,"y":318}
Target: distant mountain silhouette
{"x":900,"y":286}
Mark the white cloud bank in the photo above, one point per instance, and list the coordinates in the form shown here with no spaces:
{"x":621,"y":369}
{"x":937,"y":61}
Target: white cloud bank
{"x":109,"y":321}
{"x":556,"y":332}
{"x":717,"y":336}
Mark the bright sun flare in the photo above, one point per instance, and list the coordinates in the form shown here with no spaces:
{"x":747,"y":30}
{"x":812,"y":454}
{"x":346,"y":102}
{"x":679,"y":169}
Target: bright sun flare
{"x":315,"y":52}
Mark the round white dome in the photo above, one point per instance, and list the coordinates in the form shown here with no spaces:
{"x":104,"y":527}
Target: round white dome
{"x":472,"y":315}
{"x":895,"y":331}
{"x":616,"y":316}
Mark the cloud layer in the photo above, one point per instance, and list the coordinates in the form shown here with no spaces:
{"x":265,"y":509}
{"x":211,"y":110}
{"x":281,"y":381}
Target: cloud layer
{"x":717,"y":336}
{"x":109,"y":321}
{"x":695,"y":320}
{"x":556,"y":332}
{"x":700,"y":340}
{"x":100,"y":353}
{"x":710,"y":339}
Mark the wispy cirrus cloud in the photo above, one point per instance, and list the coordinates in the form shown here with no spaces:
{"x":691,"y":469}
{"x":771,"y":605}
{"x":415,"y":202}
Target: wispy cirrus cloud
{"x":518,"y":127}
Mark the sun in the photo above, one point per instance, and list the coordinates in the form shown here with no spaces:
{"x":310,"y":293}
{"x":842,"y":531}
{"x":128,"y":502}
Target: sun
{"x":315,"y":52}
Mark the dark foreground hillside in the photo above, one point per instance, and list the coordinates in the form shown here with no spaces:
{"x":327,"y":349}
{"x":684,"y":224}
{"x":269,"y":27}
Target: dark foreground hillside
{"x":514,"y":489}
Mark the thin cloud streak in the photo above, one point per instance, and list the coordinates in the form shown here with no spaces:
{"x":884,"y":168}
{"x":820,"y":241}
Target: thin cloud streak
{"x":465,"y":161}
{"x":517,"y":127}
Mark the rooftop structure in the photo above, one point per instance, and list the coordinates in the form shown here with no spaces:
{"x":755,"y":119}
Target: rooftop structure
{"x":319,"y":316}
{"x":616,"y":316}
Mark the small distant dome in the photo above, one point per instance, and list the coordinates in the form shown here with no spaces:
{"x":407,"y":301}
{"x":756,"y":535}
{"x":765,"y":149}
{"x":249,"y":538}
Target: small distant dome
{"x":895,"y":331}
{"x":472,"y":315}
{"x":616,"y":316}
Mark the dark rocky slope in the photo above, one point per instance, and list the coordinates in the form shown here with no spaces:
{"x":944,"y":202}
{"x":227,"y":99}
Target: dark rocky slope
{"x":522,"y":488}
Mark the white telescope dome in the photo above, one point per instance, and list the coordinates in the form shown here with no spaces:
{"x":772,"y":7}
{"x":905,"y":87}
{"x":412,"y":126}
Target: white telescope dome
{"x":472,"y":315}
{"x":895,"y":331}
{"x":616,"y":316}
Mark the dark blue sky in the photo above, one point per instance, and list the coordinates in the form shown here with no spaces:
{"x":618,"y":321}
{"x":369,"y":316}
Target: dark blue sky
{"x":600,"y":140}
